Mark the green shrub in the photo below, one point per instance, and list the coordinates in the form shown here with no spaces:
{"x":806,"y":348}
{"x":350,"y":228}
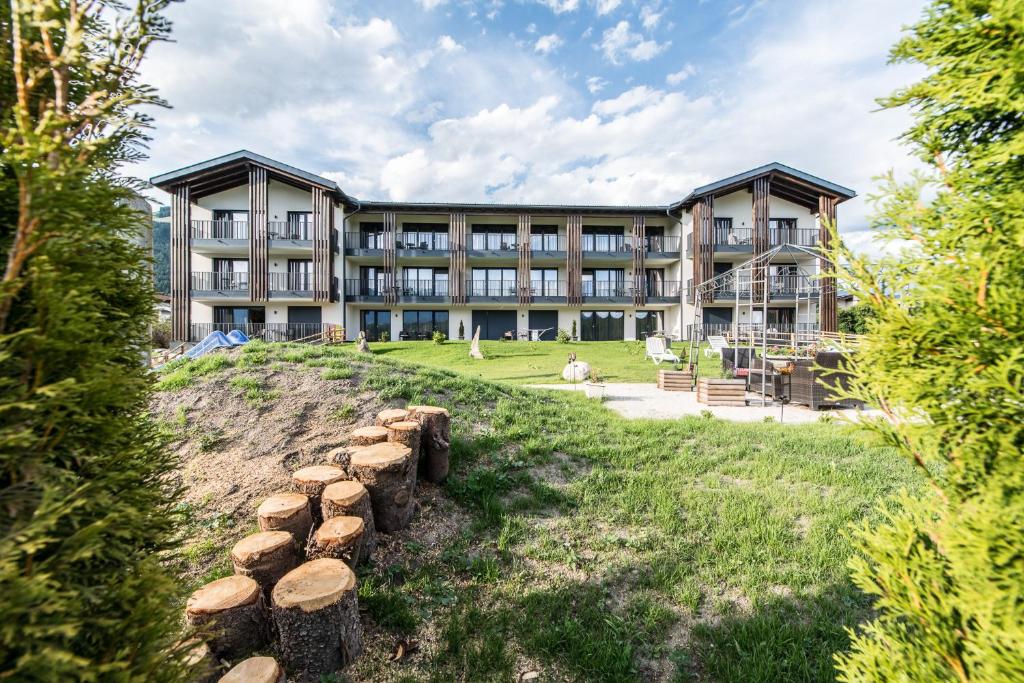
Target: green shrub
{"x":385,"y":336}
{"x":160,"y":335}
{"x":856,"y":319}
{"x":562,"y":337}
{"x":945,"y":363}
{"x":439,"y":337}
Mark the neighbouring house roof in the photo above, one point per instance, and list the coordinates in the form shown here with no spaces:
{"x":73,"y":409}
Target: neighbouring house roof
{"x":231,"y":170}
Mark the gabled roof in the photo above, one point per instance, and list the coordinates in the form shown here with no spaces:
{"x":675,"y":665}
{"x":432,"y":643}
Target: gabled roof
{"x":787,"y":183}
{"x":220,"y":173}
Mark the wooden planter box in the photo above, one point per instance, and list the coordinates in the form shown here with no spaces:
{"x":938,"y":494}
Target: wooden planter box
{"x":722,"y":392}
{"x":675,"y":380}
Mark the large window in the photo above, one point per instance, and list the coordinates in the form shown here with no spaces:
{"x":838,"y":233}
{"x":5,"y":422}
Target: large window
{"x":544,"y":238}
{"x":606,"y":239}
{"x":425,"y":281}
{"x":371,"y":235}
{"x":230,"y":273}
{"x":299,"y":226}
{"x":225,"y":318}
{"x":544,"y":282}
{"x":654,"y":281}
{"x":493,"y":282}
{"x":371,"y":281}
{"x":601,"y":326}
{"x":648,"y":323}
{"x":782,"y":231}
{"x":604,"y":282}
{"x":429,"y":236}
{"x":422,"y":324}
{"x":374,"y":323}
{"x":655,"y":239}
{"x":493,"y":238}
{"x":300,"y":274}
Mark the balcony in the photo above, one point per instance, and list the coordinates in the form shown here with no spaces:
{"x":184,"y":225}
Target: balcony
{"x":290,"y":286}
{"x":741,"y":240}
{"x":662,"y":246}
{"x":608,"y":292}
{"x":496,"y":291}
{"x":490,"y":244}
{"x":269,"y":331}
{"x":666,"y":292}
{"x":548,"y":247}
{"x":780,"y":287}
{"x":803,"y":237}
{"x":407,"y":244}
{"x":220,"y":237}
{"x":406,"y":291}
{"x":778,"y":333}
{"x":290,"y":236}
{"x":607,"y":247}
{"x":215,"y":286}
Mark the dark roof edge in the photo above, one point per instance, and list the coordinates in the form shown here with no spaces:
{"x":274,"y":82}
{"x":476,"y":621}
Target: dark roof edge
{"x":843,"y":193}
{"x":470,"y":207}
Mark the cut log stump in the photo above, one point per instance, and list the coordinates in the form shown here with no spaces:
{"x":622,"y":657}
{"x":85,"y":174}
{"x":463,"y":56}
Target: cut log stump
{"x":317,"y":618}
{"x":203,"y":665}
{"x":255,"y":670}
{"x":340,"y":538}
{"x":340,"y":456}
{"x":387,"y":472}
{"x":235,"y":613}
{"x":313,"y":480}
{"x":287,"y":512}
{"x":367,"y":436}
{"x":435,"y":435}
{"x":351,"y":499}
{"x":407,"y":433}
{"x":386,"y":417}
{"x":265,"y":557}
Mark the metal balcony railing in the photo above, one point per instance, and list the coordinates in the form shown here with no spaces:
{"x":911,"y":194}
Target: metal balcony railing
{"x":206,"y":281}
{"x":492,"y":288}
{"x":356,"y":287}
{"x":267,"y":331}
{"x":290,"y":230}
{"x":606,"y":244}
{"x":804,"y":237}
{"x":548,"y":243}
{"x":548,"y":288}
{"x":734,"y":237}
{"x":291,"y":282}
{"x":423,"y":288}
{"x":664,"y":289}
{"x":422,"y":241}
{"x":220,"y":230}
{"x":593,"y":290}
{"x":488,"y":241}
{"x":663,"y":243}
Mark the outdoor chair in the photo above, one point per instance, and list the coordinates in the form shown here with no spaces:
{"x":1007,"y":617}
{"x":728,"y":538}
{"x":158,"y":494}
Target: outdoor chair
{"x":658,"y":351}
{"x":716,"y":343}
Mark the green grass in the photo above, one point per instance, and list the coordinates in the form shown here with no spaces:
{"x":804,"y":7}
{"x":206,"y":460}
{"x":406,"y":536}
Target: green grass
{"x":537,"y":362}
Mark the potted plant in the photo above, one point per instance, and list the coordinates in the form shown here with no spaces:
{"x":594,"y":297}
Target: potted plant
{"x":594,"y":386}
{"x":574,"y":330}
{"x":462,"y":330}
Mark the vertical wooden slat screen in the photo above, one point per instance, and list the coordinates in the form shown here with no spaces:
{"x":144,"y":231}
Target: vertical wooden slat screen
{"x":762,"y":242}
{"x":574,"y":260}
{"x":323,"y":224}
{"x":390,"y":258}
{"x":523,"y":295}
{"x":704,"y":243}
{"x":259,"y":268}
{"x":827,"y":303}
{"x":181,"y":263}
{"x":639,"y":260}
{"x":457,"y":259}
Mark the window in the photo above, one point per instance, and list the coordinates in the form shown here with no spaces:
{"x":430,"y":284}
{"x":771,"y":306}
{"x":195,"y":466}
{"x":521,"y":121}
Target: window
{"x":300,"y":226}
{"x":227,"y":318}
{"x":724,"y":233}
{"x":544,"y":282}
{"x":493,"y":238}
{"x":374,"y":323}
{"x":371,"y":281}
{"x":300,"y":275}
{"x":425,"y":281}
{"x":782,"y":231}
{"x":493,"y":282}
{"x":229,"y":273}
{"x":654,"y":280}
{"x":604,"y":282}
{"x":371,"y":235}
{"x":655,"y":239}
{"x":647,"y":323}
{"x":422,"y":324}
{"x":426,"y":236}
{"x":605,"y":239}
{"x":601,"y":326}
{"x":230,"y":224}
{"x":544,"y":238}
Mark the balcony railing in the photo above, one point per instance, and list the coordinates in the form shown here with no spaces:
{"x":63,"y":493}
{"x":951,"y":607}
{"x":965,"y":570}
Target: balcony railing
{"x":289,"y":230}
{"x":493,"y":241}
{"x":291,"y":282}
{"x":663,"y":243}
{"x":804,"y":237}
{"x":492,"y":288}
{"x":606,"y":244}
{"x":548,"y":288}
{"x":220,"y":230}
{"x":734,"y":237}
{"x":267,"y":331}
{"x":423,"y":288}
{"x":548,"y":243}
{"x":209,"y":282}
{"x":775,"y":330}
{"x":357,"y":288}
{"x":602,"y":290}
{"x":422,"y":241}
{"x":662,"y":290}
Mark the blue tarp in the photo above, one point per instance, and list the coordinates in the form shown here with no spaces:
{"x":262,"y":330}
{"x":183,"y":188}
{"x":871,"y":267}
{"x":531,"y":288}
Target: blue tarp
{"x":217,"y":340}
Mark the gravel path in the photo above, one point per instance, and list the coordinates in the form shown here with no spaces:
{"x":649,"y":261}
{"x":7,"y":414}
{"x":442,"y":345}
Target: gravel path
{"x":638,"y":401}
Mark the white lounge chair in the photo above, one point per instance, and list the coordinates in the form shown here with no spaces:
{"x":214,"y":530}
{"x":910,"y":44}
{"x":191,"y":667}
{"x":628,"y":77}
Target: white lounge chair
{"x":716,"y":343}
{"x":658,"y":351}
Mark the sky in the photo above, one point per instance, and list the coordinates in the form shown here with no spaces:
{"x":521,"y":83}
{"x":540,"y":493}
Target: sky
{"x":539,"y":101}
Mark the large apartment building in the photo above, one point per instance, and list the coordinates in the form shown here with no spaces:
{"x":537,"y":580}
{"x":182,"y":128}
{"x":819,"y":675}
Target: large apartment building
{"x":271,"y":249}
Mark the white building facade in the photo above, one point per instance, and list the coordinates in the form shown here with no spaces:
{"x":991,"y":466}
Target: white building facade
{"x":276,"y":251}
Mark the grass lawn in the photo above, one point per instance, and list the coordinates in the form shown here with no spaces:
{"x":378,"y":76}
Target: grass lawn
{"x":595,"y":548}
{"x":537,"y":362}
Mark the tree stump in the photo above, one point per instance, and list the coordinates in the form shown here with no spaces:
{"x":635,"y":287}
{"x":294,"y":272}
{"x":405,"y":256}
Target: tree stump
{"x":435,"y":437}
{"x":287,"y":512}
{"x":367,"y":436}
{"x":265,"y":557}
{"x":340,"y":456}
{"x":203,"y":666}
{"x":387,"y":472}
{"x":340,"y":538}
{"x":235,"y":613}
{"x":407,"y":433}
{"x":255,"y":670}
{"x":317,"y":617}
{"x":351,"y":499}
{"x":386,"y":417}
{"x":313,"y":480}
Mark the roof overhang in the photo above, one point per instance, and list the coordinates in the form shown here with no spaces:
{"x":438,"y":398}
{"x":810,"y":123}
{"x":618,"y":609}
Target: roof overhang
{"x":535,"y":210}
{"x":785,"y":183}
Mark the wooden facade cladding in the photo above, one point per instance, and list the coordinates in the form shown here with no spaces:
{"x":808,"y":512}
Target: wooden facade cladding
{"x":523,"y":271}
{"x":827,"y":303}
{"x":639,"y":261}
{"x":390,"y":257}
{"x":181,"y":262}
{"x":323,"y":261}
{"x":760,"y":209}
{"x":703,"y":243}
{"x":574,"y":260}
{"x":259,"y":268}
{"x":457,"y":259}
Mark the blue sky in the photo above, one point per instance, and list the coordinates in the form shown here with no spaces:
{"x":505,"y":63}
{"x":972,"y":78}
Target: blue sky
{"x":554,"y":101}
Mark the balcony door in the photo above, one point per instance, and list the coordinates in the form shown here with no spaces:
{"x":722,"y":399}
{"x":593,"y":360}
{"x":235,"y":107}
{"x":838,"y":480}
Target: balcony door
{"x":604,"y":282}
{"x":655,"y":239}
{"x":654,"y":280}
{"x":249,"y":319}
{"x":374,"y":323}
{"x":230,"y":273}
{"x":230,"y":224}
{"x":544,"y":281}
{"x":544,"y":238}
{"x":371,"y":281}
{"x":493,"y":282}
{"x":425,"y":281}
{"x":300,"y":274}
{"x":300,"y":225}
{"x":371,"y":235}
{"x":648,"y":323}
{"x":603,"y":239}
{"x":304,"y":321}
{"x":493,"y":238}
{"x":602,"y":326}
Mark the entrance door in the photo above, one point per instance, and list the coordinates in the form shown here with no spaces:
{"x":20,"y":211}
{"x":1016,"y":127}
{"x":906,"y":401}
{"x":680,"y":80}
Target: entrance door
{"x":542,"y":320}
{"x":374,"y":323}
{"x":303,"y":321}
{"x":647,"y":323}
{"x":494,"y":324}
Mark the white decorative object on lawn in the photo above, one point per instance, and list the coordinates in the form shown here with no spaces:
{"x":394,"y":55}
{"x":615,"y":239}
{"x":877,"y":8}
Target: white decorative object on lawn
{"x":577,"y":371}
{"x":474,"y":347}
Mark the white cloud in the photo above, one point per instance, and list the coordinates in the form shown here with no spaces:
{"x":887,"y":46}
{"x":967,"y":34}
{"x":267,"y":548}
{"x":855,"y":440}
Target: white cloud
{"x":681,"y":75}
{"x":650,"y":16}
{"x":560,"y":6}
{"x":431,"y":4}
{"x":531,"y":28}
{"x":605,"y":6}
{"x":548,"y":44}
{"x":447,"y":44}
{"x":631,"y":100}
{"x":619,"y":42}
{"x":596,"y":84}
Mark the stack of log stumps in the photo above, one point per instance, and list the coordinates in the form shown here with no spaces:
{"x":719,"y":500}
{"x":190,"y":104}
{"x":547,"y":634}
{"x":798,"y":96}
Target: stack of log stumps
{"x":294,"y":588}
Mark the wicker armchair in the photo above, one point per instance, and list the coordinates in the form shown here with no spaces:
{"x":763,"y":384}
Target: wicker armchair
{"x":816,"y":387}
